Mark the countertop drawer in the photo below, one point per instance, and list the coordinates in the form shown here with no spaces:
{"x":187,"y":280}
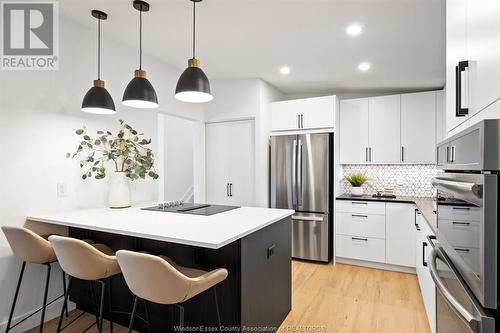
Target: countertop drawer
{"x":366,"y":207}
{"x":459,"y":213}
{"x":361,"y":248}
{"x":460,"y":233}
{"x":368,"y":225}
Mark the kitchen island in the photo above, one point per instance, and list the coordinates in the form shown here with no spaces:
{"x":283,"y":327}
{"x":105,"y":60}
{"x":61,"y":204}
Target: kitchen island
{"x":253,"y":244}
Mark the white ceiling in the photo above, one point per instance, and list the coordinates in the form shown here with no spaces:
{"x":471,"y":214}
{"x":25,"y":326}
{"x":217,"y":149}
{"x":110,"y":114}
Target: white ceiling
{"x":404,"y":40}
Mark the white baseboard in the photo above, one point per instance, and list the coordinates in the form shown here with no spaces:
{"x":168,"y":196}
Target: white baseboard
{"x":376,"y":265}
{"x":51,"y":312}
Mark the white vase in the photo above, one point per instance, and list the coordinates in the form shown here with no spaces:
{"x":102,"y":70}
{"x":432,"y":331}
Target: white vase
{"x":119,"y":190}
{"x":356,"y":191}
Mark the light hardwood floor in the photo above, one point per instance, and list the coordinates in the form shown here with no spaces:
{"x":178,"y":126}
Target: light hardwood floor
{"x":351,"y":299}
{"x":340,"y":298}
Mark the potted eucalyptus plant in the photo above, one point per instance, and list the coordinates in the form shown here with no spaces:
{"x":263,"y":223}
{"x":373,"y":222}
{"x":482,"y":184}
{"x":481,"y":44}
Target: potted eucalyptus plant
{"x":357,"y":180}
{"x":126,"y":151}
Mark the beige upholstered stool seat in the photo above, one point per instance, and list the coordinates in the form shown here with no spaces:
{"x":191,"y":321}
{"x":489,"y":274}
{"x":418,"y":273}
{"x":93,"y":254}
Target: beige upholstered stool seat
{"x":161,"y":280}
{"x":29,"y":246}
{"x":34,"y":249}
{"x":85,"y":261}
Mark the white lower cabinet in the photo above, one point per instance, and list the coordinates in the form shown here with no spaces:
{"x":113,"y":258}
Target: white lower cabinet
{"x":361,"y":248}
{"x":427,"y":288}
{"x":376,"y":231}
{"x":400,"y":233}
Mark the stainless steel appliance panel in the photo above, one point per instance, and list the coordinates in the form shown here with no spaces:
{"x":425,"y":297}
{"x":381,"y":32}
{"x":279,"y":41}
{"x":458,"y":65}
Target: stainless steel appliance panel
{"x":313,"y":167}
{"x":310,"y":236}
{"x":456,"y":309}
{"x":467,"y":229}
{"x":283,"y":171}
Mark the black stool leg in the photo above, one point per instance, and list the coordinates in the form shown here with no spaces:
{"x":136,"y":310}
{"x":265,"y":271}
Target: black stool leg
{"x":64,"y":290}
{"x":96,"y":309}
{"x":15,"y":296}
{"x":181,"y":317}
{"x":101,"y":305}
{"x":110,"y":305}
{"x":217,"y":308}
{"x":132,"y":316}
{"x":44,"y":305}
{"x":66,"y":294}
{"x":146,"y":311}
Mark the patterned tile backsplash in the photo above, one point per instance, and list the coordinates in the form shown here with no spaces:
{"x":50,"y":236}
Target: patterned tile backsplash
{"x":406,"y":180}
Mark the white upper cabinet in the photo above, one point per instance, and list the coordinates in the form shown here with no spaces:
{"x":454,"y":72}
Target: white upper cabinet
{"x":473,"y":39}
{"x":456,"y":51}
{"x":418,"y":127}
{"x":390,"y":129}
{"x":353,"y":128}
{"x":307,"y":113}
{"x":483,"y":52}
{"x":384,"y":129}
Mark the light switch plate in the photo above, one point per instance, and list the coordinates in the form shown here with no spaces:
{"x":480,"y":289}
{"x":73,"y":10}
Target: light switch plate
{"x":62,"y":190}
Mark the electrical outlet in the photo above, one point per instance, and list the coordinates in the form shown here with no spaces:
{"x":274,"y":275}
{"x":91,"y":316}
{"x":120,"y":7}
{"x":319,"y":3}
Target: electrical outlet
{"x":62,"y":190}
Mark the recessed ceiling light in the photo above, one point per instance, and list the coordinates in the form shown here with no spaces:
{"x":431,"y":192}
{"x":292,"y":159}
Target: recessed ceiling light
{"x":285,"y":70}
{"x":364,"y":66}
{"x":354,"y":30}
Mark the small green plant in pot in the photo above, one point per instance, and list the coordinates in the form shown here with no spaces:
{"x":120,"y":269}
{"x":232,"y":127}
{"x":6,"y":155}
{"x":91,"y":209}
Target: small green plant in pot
{"x":127,"y":152}
{"x":357,"y":180}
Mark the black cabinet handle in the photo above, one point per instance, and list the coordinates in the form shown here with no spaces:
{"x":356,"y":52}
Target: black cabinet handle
{"x":460,"y":111}
{"x":298,"y":121}
{"x":301,"y":121}
{"x":402,"y":154}
{"x":359,"y":238}
{"x":227,"y":189}
{"x":424,"y":245}
{"x":230,"y":189}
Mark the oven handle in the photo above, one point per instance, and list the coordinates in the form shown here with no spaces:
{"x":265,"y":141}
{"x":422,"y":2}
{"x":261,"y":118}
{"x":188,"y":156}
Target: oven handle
{"x":455,"y":305}
{"x":472,"y":191}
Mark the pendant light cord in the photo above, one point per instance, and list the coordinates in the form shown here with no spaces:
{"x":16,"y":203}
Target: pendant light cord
{"x":99,"y":49}
{"x":194,"y":29}
{"x":140,"y":39}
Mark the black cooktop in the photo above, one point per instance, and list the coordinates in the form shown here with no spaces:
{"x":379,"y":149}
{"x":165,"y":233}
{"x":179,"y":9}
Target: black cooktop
{"x":190,"y":208}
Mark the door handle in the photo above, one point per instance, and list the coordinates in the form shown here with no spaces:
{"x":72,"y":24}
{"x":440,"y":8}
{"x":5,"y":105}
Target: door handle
{"x":360,"y":239}
{"x":299,"y":174}
{"x":402,"y":154}
{"x":298,"y":121}
{"x":448,"y":160}
{"x":358,"y":215}
{"x":461,"y":223}
{"x":369,"y":154}
{"x":227,"y":189}
{"x":366,"y":154}
{"x":294,"y":174}
{"x":359,"y":203}
{"x":307,"y":218}
{"x":424,"y":245}
{"x":301,"y":121}
{"x":462,"y":68}
{"x":230,"y":189}
{"x":453,"y":156}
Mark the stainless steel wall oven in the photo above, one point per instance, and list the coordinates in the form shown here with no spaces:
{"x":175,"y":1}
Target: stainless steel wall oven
{"x":464,"y":262}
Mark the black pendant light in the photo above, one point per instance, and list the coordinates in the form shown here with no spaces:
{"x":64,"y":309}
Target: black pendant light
{"x":97,"y":99}
{"x":193,"y":85}
{"x":139,"y":92}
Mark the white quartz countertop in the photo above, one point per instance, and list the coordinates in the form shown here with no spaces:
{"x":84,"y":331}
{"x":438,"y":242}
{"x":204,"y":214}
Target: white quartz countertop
{"x":213,"y":231}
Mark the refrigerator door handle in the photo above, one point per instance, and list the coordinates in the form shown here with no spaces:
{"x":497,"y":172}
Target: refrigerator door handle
{"x":307,"y":218}
{"x":294,"y":174}
{"x":299,"y":174}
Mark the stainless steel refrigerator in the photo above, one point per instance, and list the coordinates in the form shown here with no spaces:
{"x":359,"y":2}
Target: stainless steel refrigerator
{"x":301,"y":178}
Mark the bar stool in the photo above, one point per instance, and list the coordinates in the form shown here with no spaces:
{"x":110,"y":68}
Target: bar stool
{"x":160,"y":280}
{"x":90,"y":262}
{"x":34,"y":249}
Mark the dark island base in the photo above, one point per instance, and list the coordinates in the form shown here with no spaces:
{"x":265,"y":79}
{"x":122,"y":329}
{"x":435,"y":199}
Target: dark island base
{"x":256,"y":296}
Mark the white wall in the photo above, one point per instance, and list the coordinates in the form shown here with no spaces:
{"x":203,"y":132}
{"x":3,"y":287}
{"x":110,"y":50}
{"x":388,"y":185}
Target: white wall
{"x":244,"y":99}
{"x":38,"y":116}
